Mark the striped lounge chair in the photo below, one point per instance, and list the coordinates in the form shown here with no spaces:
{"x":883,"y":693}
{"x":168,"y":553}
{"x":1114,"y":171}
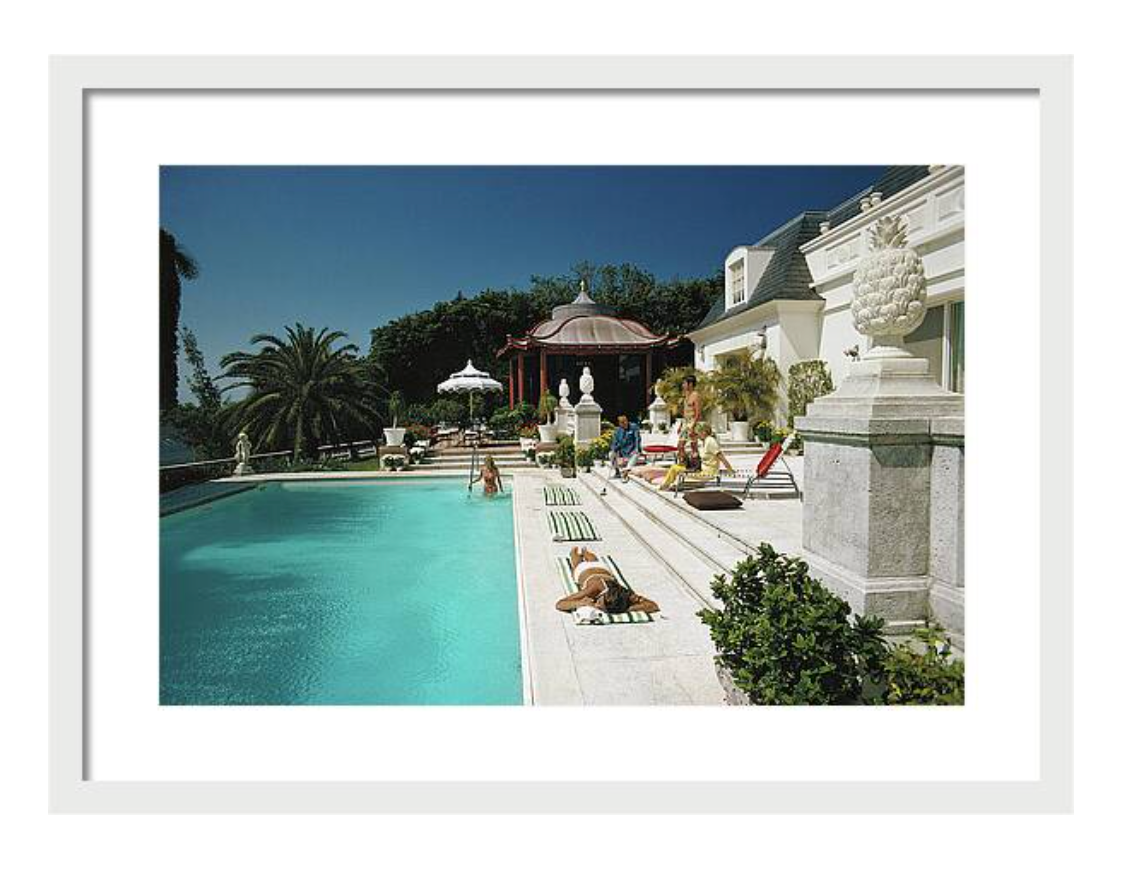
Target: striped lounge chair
{"x":560,"y":495}
{"x":571,"y":525}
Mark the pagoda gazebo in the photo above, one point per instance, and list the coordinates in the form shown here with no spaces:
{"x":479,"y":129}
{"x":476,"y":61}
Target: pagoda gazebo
{"x":623,"y":355}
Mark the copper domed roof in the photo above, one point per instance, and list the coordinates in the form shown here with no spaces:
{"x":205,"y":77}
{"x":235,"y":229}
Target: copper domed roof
{"x":584,"y":326}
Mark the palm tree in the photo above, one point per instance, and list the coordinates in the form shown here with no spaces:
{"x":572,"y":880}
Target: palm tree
{"x":303,"y":390}
{"x":174,"y":265}
{"x":747,"y":387}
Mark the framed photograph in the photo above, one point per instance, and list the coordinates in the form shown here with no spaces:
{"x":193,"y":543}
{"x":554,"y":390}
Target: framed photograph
{"x":569,"y":434}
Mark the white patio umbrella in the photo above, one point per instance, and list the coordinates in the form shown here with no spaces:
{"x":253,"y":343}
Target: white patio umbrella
{"x":469,"y":381}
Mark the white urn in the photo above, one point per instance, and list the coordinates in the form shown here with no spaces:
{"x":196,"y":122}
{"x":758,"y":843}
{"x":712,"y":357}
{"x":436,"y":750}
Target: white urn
{"x":564,"y":393}
{"x":890,"y":287}
{"x":586,"y":385}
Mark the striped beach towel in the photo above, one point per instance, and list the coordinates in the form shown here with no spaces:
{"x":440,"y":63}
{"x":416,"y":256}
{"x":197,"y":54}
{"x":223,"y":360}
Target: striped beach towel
{"x":566,"y":575}
{"x":574,"y":525}
{"x":560,"y":495}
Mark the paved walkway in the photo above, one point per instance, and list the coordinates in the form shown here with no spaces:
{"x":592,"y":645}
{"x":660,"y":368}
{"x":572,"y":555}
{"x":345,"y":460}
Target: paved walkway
{"x":667,"y":662}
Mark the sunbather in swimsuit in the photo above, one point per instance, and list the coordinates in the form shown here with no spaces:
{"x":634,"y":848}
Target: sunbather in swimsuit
{"x":598,"y":588}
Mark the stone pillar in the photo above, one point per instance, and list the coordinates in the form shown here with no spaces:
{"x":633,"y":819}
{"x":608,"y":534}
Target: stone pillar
{"x":869,"y":499}
{"x":947,"y":526}
{"x":588,"y":414}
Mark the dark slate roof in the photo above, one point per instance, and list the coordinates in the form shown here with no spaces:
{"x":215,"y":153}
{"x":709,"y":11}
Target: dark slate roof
{"x":787,"y":275}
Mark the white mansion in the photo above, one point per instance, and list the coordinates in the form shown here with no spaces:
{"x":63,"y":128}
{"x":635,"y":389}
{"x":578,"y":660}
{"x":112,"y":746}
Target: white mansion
{"x":791,"y":291}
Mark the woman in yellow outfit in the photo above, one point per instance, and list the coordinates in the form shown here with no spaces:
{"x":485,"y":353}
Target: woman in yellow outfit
{"x":712,"y":458}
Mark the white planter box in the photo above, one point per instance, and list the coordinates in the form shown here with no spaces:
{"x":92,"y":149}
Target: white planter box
{"x":547,"y":433}
{"x":394,"y":437}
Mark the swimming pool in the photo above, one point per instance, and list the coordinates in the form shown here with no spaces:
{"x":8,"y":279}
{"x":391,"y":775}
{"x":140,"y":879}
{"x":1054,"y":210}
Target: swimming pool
{"x":345,"y":593}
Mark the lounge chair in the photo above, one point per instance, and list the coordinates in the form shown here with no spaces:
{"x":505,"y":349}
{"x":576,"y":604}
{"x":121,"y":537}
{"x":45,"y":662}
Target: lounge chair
{"x":765,"y":478}
{"x":567,"y":525}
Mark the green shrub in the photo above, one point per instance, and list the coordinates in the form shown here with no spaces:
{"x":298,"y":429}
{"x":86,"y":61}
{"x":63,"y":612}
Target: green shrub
{"x":807,"y":380}
{"x":547,"y":406}
{"x":787,"y":640}
{"x":446,"y":411}
{"x":564,"y":452}
{"x":584,"y":456}
{"x":929,"y":677}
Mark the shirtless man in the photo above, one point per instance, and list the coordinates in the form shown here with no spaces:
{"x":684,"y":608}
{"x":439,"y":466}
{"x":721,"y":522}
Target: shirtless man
{"x":690,"y":404}
{"x":598,"y":588}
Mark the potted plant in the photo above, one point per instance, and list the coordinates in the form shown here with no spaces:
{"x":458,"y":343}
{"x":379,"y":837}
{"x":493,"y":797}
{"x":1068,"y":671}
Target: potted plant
{"x":746,"y":388}
{"x":762,"y":431}
{"x":393,"y":462}
{"x":547,"y":407}
{"x":394,"y":435}
{"x":564,"y":456}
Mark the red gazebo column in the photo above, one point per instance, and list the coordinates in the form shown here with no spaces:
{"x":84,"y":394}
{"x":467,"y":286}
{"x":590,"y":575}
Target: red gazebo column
{"x":522,"y":378}
{"x":542,"y":373}
{"x":511,"y":382}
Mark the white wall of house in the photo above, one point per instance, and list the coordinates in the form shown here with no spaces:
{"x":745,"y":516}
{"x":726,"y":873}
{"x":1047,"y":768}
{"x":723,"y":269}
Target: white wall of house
{"x":934,"y":209}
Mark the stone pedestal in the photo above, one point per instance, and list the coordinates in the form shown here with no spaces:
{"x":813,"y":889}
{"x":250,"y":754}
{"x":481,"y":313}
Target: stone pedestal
{"x":587,"y":420}
{"x":243,"y":469}
{"x":873,"y":497}
{"x":658,"y":414}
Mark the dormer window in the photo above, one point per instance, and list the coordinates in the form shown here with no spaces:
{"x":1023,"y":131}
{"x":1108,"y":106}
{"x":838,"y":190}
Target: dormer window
{"x":736,"y":283}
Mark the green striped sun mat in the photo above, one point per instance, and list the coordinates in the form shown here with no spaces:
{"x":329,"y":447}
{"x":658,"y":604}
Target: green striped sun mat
{"x":574,"y":525}
{"x":560,"y":495}
{"x":566,"y":575}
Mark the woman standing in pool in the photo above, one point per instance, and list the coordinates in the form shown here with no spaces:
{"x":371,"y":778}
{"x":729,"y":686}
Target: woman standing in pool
{"x":492,"y":480}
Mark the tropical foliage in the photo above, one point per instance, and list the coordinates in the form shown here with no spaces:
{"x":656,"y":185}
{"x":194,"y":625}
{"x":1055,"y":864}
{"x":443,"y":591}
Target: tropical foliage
{"x":747,"y":387}
{"x":670,"y":387}
{"x":201,"y":424}
{"x":303,"y":391}
{"x":787,"y":640}
{"x":417,"y":351}
{"x":807,"y":380}
{"x":174,"y":265}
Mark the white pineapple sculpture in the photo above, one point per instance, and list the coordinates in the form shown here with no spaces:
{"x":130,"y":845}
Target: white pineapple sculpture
{"x":890,"y":285}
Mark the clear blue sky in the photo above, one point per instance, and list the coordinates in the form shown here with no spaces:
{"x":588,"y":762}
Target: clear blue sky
{"x":352,"y":247}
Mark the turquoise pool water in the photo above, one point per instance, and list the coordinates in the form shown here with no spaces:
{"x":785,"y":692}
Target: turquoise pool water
{"x":341,"y":594}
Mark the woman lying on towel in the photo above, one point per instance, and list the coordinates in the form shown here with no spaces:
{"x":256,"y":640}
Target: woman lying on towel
{"x":598,"y":588}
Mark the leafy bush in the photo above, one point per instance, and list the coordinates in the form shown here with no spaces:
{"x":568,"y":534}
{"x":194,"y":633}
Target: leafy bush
{"x":787,"y":640}
{"x":762,"y":431}
{"x":669,"y":387}
{"x":446,"y":411}
{"x":807,"y":380}
{"x":747,"y":387}
{"x":545,"y":458}
{"x":564,"y":452}
{"x":395,"y":408}
{"x":393,"y":462}
{"x":528,"y":431}
{"x":929,"y":677}
{"x":584,"y":456}
{"x":547,"y":405}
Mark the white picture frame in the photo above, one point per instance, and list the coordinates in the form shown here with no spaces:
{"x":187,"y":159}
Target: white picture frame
{"x":74,"y":79}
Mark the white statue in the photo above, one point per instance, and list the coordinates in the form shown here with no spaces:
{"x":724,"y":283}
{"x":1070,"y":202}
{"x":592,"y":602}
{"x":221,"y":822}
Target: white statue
{"x":243,"y":454}
{"x":890,"y":288}
{"x":564,"y":393}
{"x":586,"y":384}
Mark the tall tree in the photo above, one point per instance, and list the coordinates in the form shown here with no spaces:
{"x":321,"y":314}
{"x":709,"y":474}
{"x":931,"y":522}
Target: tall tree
{"x":174,"y":265}
{"x":304,"y":390}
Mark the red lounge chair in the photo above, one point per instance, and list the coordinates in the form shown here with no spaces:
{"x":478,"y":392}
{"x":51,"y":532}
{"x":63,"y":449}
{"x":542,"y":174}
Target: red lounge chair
{"x":765,"y":477}
{"x":654,"y":445}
